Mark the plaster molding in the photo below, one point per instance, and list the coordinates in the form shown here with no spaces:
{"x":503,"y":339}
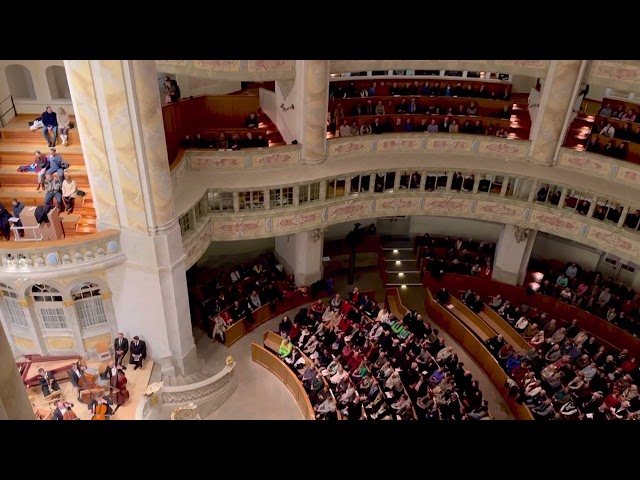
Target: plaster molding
{"x":507,"y":210}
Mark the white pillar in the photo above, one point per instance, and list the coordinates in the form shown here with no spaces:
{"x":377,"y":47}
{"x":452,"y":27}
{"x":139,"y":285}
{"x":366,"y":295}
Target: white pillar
{"x":558,"y":95}
{"x":119,"y":116}
{"x":14,"y":401}
{"x":512,"y":256}
{"x":301,"y":254}
{"x":315,"y":105}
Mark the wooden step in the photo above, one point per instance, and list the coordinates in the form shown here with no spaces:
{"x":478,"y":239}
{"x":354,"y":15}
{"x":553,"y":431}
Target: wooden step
{"x":19,"y":158}
{"x":87,"y":229}
{"x":27,"y":179}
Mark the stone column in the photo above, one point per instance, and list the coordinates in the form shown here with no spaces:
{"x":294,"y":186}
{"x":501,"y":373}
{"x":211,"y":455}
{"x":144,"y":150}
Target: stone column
{"x":301,"y":254}
{"x":119,"y":116}
{"x":512,"y":256}
{"x":315,"y":105}
{"x":14,"y":401}
{"x":558,"y":95}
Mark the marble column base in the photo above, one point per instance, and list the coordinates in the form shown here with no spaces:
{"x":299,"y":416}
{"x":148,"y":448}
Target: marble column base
{"x":499,"y":275}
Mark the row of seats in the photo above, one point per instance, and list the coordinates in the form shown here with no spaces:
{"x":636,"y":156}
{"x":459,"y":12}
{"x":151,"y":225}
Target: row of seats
{"x":374,"y":88}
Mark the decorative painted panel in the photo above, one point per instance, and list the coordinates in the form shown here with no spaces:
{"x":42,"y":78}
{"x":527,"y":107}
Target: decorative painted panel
{"x":553,"y":222}
{"x":61,"y":343}
{"x":445,"y":205}
{"x":99,"y":341}
{"x":25,"y":344}
{"x":223,"y":160}
{"x":629,"y":174}
{"x":489,"y":208}
{"x":346,"y":145}
{"x":270,"y":65}
{"x":607,"y":239}
{"x":504,"y":147}
{"x":585,"y":162}
{"x":450,"y":143}
{"x":235,"y":228}
{"x":295,"y":221}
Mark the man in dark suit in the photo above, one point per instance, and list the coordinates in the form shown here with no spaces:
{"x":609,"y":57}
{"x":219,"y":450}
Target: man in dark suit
{"x":74,"y":377}
{"x":138,"y":352}
{"x":121,"y":347}
{"x":48,"y":382}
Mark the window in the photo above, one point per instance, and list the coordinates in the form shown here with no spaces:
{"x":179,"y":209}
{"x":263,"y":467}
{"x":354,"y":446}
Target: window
{"x":45,"y":293}
{"x":578,"y":201}
{"x":548,"y":194}
{"x":89,"y":306}
{"x":185,"y":224}
{"x":360,"y":183}
{"x":57,"y":81}
{"x":384,"y":181}
{"x":16,"y":313}
{"x":281,"y":197}
{"x":309,"y":193}
{"x":435,"y":180}
{"x":253,"y":200}
{"x":220,"y":201}
{"x":53,"y":318}
{"x":335,"y":188}
{"x":628,"y":268}
{"x":20,"y":82}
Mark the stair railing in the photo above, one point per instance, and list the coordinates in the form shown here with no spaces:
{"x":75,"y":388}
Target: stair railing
{"x":13,"y":107}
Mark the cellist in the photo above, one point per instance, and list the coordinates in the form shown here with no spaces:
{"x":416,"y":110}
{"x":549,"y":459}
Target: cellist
{"x":63,"y":411}
{"x":118,"y":384}
{"x":101,"y":409}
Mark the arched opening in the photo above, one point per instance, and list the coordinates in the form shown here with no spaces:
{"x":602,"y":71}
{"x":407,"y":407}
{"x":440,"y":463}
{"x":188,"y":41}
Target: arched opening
{"x":16,"y":313}
{"x":20,"y":82}
{"x":50,"y":307}
{"x":88,"y":304}
{"x":58,"y":84}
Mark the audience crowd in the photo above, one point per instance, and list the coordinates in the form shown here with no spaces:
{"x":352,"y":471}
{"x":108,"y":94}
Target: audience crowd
{"x":222,"y":298}
{"x":566,"y":373}
{"x":231,"y":141}
{"x":443,"y":116}
{"x":367,"y":364}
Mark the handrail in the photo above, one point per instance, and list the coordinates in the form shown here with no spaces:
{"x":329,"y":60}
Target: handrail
{"x":52,"y":245}
{"x":268,"y":360}
{"x":13,"y":107}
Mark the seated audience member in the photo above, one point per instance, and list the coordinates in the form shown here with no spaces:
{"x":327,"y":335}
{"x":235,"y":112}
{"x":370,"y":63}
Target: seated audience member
{"x":594,"y":145}
{"x":286,"y":347}
{"x":234,"y":143}
{"x":222,"y":143}
{"x":50,"y":126}
{"x":53,"y":189}
{"x":251,"y":121}
{"x":56,"y":165}
{"x":69,"y":193}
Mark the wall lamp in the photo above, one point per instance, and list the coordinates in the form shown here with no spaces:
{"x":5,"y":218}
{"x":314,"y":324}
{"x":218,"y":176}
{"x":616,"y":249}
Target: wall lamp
{"x":285,"y":109}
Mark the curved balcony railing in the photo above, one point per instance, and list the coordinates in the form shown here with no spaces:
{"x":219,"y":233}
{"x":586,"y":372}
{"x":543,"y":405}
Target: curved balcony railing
{"x":221,"y":226}
{"x":530,"y":68}
{"x":62,"y":257}
{"x":600,"y":166}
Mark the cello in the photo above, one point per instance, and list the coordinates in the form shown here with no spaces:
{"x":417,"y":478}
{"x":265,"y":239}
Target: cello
{"x":100,"y":412}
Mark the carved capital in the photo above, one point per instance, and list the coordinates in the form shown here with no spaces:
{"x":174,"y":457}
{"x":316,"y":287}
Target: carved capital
{"x":106,"y":294}
{"x":1,"y":294}
{"x":26,"y":302}
{"x":69,"y":303}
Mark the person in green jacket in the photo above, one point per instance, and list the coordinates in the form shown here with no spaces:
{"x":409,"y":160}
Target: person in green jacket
{"x":285,"y":348}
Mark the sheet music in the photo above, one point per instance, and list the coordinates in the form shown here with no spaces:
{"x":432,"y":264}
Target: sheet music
{"x":136,"y":357}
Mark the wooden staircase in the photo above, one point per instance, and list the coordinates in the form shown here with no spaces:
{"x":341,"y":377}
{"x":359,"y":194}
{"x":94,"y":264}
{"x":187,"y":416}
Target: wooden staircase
{"x":273,"y":135}
{"x":17,"y":144}
{"x":520,"y":119}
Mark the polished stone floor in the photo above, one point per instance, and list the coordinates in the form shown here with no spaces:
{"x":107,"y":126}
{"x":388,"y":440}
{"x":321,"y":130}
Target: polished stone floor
{"x":260,"y":395}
